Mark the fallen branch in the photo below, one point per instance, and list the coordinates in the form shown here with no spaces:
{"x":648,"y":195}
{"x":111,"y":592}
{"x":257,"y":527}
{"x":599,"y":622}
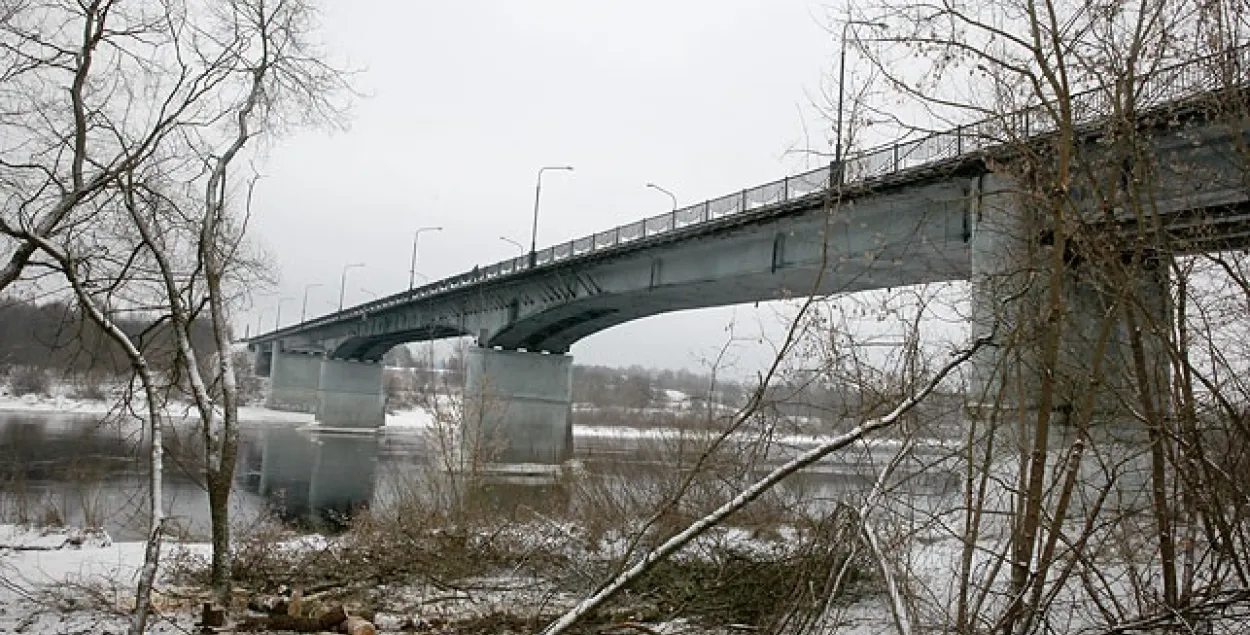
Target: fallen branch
{"x":753,"y":492}
{"x":628,"y":626}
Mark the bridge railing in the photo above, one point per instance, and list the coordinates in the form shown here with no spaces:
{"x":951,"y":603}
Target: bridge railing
{"x":1173,"y":83}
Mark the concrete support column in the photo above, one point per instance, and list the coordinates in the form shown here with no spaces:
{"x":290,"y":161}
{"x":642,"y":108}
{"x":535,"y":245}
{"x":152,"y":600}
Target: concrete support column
{"x":518,"y":407}
{"x":1005,"y":265}
{"x":1012,"y":254}
{"x":293,"y":381}
{"x":350,"y":394}
{"x":262,"y":359}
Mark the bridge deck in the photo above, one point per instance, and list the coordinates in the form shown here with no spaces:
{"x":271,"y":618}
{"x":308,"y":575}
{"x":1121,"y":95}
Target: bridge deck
{"x":961,"y":151}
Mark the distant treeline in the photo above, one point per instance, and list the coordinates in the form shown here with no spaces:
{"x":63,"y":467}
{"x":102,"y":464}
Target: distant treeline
{"x":54,"y":336}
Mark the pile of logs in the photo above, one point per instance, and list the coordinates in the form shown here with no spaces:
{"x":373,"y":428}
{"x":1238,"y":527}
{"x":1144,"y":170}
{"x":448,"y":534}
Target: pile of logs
{"x":291,"y":619}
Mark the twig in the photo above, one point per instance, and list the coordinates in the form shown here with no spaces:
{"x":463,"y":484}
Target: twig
{"x":753,"y":492}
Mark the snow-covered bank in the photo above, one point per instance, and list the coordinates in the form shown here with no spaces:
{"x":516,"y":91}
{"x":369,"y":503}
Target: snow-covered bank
{"x":59,"y":404}
{"x":82,"y":586}
{"x":408,"y":420}
{"x":62,"y":404}
{"x":90,"y":589}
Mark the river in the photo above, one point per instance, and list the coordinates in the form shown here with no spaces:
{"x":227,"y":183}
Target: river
{"x":84,"y":470}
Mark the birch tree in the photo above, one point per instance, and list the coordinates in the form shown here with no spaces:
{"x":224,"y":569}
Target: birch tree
{"x":126,"y":125}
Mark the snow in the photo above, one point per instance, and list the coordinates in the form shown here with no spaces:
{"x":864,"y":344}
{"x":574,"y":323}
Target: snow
{"x":261,"y":414}
{"x":79,"y":590}
{"x":22,"y":537}
{"x":416,"y":418}
{"x":57,"y":404}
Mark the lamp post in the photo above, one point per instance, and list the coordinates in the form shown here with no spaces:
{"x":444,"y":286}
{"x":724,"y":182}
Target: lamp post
{"x":277,"y":318}
{"x":343,"y":280}
{"x":260,"y":318}
{"x":661,"y":189}
{"x":416,"y":237}
{"x":303,"y":309}
{"x":837,"y":148}
{"x":513,"y":243}
{"x":538,"y":189}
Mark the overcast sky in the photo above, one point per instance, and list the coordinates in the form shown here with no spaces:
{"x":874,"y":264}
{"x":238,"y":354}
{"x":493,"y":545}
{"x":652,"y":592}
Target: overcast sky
{"x":465,"y":100}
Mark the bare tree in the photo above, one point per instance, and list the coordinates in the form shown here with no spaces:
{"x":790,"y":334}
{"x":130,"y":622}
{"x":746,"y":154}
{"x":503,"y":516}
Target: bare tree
{"x":1089,"y":406}
{"x":115,"y":115}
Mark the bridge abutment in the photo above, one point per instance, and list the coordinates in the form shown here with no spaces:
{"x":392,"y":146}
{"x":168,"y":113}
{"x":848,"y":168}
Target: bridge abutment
{"x":1079,"y":342}
{"x":350,"y":395}
{"x":518,"y":407}
{"x":294,"y":379}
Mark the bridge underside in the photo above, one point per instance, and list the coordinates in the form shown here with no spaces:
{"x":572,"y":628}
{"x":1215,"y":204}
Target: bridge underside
{"x":951,"y":223}
{"x":557,"y":328}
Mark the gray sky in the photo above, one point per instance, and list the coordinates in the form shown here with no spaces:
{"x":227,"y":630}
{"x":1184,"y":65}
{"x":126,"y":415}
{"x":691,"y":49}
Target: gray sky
{"x":465,"y":100}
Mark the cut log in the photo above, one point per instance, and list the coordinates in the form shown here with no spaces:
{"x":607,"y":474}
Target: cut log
{"x":332,"y":618}
{"x":293,"y":609}
{"x":357,"y":626}
{"x":212,"y":617}
{"x":329,"y":621}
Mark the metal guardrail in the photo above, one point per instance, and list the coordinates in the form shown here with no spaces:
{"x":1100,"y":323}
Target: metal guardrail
{"x":1172,"y":83}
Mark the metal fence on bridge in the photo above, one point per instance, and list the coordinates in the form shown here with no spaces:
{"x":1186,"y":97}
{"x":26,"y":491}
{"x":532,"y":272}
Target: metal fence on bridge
{"x":1170,"y":84}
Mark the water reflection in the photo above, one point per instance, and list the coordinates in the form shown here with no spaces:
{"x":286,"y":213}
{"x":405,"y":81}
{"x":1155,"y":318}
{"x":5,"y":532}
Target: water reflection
{"x":79,"y":470}
{"x":311,"y":478}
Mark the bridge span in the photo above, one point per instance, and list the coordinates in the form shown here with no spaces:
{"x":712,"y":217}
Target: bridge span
{"x":920,"y":210}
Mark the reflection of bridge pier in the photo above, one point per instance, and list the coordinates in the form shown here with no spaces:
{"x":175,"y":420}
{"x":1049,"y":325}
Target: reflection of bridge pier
{"x":510,"y":495}
{"x":317,"y":477}
{"x":917,"y":211}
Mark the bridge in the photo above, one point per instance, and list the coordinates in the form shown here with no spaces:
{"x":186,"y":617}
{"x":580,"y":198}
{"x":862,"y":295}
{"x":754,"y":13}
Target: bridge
{"x":918,"y":210}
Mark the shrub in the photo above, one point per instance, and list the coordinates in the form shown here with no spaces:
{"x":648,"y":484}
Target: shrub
{"x":28,"y":380}
{"x":89,"y":388}
{"x":251,"y":388}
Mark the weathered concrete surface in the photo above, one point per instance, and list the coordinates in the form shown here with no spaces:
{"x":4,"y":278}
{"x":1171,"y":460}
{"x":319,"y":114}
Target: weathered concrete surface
{"x":262,"y":359}
{"x":350,"y":395}
{"x":293,"y":382}
{"x":910,"y":228}
{"x":518,"y":407}
{"x":1011,"y":281}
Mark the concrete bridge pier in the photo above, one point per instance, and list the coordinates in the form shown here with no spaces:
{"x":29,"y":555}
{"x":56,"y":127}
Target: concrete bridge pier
{"x":1011,"y":260}
{"x":350,"y":394}
{"x":293,"y":381}
{"x":262,"y":361}
{"x":518,"y":407}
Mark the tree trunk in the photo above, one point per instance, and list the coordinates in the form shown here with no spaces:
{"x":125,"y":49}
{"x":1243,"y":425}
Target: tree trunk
{"x":219,"y":516}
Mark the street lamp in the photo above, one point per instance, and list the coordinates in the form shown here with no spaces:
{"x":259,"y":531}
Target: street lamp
{"x":260,"y":318}
{"x":513,"y":243}
{"x":303,"y":310}
{"x":837,"y":148}
{"x":416,"y":236}
{"x":670,"y":194}
{"x":538,"y":188}
{"x":277,"y":318}
{"x":343,"y":280}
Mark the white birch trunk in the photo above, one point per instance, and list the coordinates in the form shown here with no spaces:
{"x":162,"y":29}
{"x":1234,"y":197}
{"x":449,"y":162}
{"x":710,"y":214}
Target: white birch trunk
{"x":156,"y":487}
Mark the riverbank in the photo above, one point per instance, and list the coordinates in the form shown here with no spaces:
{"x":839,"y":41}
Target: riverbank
{"x":512,"y":578}
{"x":62,"y":404}
{"x":53,"y":584}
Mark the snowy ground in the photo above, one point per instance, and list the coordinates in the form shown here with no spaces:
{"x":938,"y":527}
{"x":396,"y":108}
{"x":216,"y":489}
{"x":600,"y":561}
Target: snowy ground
{"x":89,"y":588}
{"x":49,"y":587}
